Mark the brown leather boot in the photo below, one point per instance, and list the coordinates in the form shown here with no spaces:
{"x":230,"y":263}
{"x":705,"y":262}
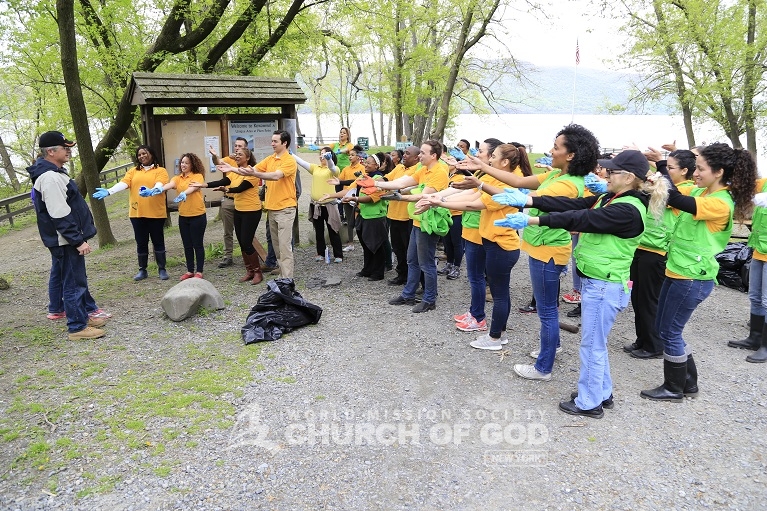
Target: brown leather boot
{"x":250,"y":271}
{"x":258,"y":276}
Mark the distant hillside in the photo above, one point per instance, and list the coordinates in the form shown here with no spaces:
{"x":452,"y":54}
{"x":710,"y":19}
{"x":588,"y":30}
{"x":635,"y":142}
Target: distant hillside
{"x":598,"y":91}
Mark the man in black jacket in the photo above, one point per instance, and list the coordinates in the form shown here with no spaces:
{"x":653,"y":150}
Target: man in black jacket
{"x":65,"y":224}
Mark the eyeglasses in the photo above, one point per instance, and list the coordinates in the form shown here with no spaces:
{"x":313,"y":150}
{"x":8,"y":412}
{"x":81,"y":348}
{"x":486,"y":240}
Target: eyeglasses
{"x":611,"y":171}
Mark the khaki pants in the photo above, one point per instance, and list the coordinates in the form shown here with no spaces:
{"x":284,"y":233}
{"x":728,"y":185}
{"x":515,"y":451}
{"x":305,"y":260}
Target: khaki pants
{"x":281,"y":227}
{"x":226,"y":212}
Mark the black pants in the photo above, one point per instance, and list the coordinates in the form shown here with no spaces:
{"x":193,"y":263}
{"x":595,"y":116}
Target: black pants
{"x":192,"y":230}
{"x":648,"y":272}
{"x":373,"y":263}
{"x":319,"y":232}
{"x":399,"y":230}
{"x":454,"y":242}
{"x":245,"y":225}
{"x":350,"y":219}
{"x":145,"y":228}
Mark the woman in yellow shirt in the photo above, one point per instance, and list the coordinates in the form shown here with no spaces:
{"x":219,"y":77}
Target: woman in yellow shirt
{"x":499,"y":251}
{"x":247,"y":210}
{"x":146,"y":216}
{"x":192,"y":217}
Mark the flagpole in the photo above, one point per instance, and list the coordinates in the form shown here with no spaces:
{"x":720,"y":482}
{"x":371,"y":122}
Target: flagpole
{"x":575,"y":78}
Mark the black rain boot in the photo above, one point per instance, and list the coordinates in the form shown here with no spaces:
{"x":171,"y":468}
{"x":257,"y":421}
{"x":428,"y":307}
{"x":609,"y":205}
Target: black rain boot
{"x":760,"y":356}
{"x":754,"y":339}
{"x":143,"y":259}
{"x":691,"y":383}
{"x":674,"y":376}
{"x":159,"y":257}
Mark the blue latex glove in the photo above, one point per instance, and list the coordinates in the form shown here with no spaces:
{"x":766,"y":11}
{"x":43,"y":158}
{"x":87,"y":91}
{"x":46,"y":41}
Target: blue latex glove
{"x":473,"y":152}
{"x":100,"y":193}
{"x":457,"y":154}
{"x":512,"y":197}
{"x":594,"y":184}
{"x":513,"y":221}
{"x":327,"y":156}
{"x":181,"y":197}
{"x":145,"y":192}
{"x":157,"y":190}
{"x":337,"y":151}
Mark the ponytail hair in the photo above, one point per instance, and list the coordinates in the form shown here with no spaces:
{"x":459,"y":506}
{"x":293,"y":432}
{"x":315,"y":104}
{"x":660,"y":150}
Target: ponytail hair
{"x":511,"y":153}
{"x":686,"y":160}
{"x":738,"y":173}
{"x":524,"y":161}
{"x":656,"y":186}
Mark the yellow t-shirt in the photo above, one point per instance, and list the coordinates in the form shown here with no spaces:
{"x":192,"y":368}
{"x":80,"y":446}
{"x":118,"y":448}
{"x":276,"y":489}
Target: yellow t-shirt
{"x":347,"y":173}
{"x":470,"y":233}
{"x":507,"y":239}
{"x":280,"y":194}
{"x":145,"y":207}
{"x":436,"y":178}
{"x":194,"y":205}
{"x":398,"y":209}
{"x":320,"y":186}
{"x":545,"y":253}
{"x":249,"y":199}
{"x":456,"y":178}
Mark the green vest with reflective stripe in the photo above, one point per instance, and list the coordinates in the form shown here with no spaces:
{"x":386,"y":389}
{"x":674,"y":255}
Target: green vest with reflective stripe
{"x":758,"y":237}
{"x":606,"y":256}
{"x":537,"y":235}
{"x":693,"y":247}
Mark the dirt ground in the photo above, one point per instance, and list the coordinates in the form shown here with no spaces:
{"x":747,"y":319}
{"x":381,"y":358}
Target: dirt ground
{"x":373,"y":408}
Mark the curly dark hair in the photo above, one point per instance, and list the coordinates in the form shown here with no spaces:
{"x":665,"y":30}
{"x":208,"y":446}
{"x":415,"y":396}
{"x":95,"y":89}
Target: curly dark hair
{"x":686,"y":160}
{"x":197,"y":167}
{"x":738,"y":173}
{"x":584,"y":145}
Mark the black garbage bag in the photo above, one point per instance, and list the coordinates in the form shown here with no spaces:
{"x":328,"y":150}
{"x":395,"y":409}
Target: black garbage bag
{"x":734,"y":256}
{"x":278,"y":311}
{"x":734,"y":262}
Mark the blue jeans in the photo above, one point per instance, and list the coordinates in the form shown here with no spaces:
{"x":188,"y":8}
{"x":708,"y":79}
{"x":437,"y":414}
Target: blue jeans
{"x":601,"y":301}
{"x":576,"y":277}
{"x":75,"y":285}
{"x":757,"y":287}
{"x":678,"y":299}
{"x":475,"y":271}
{"x":498,"y":265}
{"x":56,"y":290}
{"x":545,"y":280}
{"x":420,"y":258}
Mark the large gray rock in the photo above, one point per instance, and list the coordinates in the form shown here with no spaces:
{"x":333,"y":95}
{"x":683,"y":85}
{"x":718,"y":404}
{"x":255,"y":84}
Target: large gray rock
{"x":185,"y":298}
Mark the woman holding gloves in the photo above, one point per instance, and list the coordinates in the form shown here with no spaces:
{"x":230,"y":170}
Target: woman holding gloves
{"x":146,"y":216}
{"x":611,"y":225}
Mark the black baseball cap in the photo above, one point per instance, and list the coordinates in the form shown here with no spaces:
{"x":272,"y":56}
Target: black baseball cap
{"x":53,"y":139}
{"x":630,"y":161}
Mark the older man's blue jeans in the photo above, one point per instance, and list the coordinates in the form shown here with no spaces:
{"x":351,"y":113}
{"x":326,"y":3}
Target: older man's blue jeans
{"x":545,"y":279}
{"x":601,"y":301}
{"x":678,"y":300}
{"x":420,"y":258}
{"x":56,"y":291}
{"x":75,"y":285}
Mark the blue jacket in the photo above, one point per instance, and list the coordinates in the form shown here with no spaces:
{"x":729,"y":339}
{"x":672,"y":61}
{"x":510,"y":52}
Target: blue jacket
{"x":63,"y":217}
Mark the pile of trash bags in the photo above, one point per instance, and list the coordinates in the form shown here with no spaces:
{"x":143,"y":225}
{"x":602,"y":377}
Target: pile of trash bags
{"x":734,"y":264}
{"x":280,"y":310}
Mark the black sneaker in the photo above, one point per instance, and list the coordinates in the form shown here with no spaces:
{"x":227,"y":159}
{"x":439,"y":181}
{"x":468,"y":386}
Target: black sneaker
{"x":226,"y":261}
{"x":396,"y":281}
{"x":401,"y":300}
{"x":575,"y":313}
{"x":607,"y":403}
{"x":528,"y":309}
{"x":424,"y":306}
{"x":571,"y":408}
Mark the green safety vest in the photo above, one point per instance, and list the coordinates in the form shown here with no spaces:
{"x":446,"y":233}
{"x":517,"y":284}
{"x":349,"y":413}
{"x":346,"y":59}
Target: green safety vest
{"x":693,"y":247}
{"x":372,"y":209}
{"x":537,"y":235}
{"x":606,"y":256}
{"x":758,"y":237}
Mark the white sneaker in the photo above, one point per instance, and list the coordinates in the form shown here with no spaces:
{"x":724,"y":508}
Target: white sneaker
{"x":485,"y":342}
{"x":534,"y":354}
{"x":348,"y":248}
{"x":529,"y":372}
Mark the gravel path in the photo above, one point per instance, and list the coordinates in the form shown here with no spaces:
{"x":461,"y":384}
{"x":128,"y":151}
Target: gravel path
{"x":373,"y":408}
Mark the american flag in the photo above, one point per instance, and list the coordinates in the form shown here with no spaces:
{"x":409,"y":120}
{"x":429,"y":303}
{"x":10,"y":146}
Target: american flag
{"x":577,"y":53}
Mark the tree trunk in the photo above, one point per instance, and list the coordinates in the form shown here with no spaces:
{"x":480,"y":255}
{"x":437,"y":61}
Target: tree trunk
{"x":71,"y":72}
{"x":8,"y":166}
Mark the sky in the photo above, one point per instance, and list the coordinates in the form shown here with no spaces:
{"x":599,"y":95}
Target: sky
{"x":548,"y":37}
